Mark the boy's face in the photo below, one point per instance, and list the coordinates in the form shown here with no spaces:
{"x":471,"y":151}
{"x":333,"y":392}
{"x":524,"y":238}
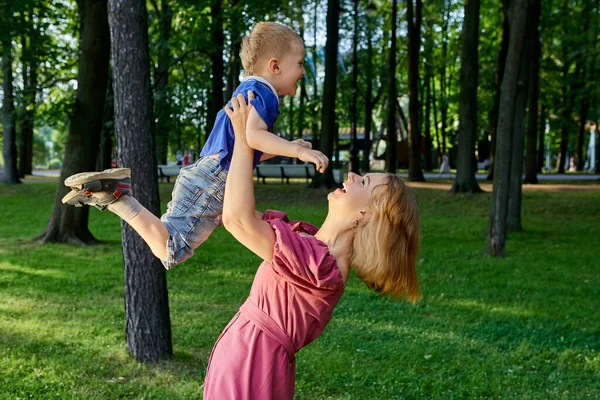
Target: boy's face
{"x":292,"y":70}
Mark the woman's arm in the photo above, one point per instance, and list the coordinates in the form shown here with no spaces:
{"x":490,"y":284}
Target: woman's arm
{"x":239,"y":215}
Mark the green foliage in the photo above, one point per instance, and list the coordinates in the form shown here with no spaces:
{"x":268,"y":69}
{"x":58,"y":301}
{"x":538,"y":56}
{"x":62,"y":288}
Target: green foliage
{"x":524,"y":327}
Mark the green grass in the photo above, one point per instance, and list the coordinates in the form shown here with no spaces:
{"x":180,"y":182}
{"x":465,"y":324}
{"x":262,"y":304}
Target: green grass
{"x":523,"y":327}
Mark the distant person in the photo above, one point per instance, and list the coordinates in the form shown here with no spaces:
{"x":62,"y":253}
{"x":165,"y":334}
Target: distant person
{"x":372,"y":226}
{"x":273,"y":59}
{"x":444,"y":166}
{"x":186,"y":158}
{"x":179,"y":158}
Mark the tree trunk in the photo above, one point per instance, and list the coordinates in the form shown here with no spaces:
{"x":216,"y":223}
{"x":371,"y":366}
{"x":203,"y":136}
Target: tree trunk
{"x":499,"y":206}
{"x":392,"y":140}
{"x":161,"y":81}
{"x":107,"y":134}
{"x":415,"y":173}
{"x":542,"y":132}
{"x":234,"y":69}
{"x":443,"y":83}
{"x":565,"y":122}
{"x":513,"y":220}
{"x":328,"y":124}
{"x":9,"y":133}
{"x":148,"y":327}
{"x":303,"y":95}
{"x":466,"y":164}
{"x":500,"y":74}
{"x":217,"y":39}
{"x":534,"y":90}
{"x":30,"y":76}
{"x":290,"y":134}
{"x":435,"y":123}
{"x":427,"y":160}
{"x":366,"y":167}
{"x":69,"y":224}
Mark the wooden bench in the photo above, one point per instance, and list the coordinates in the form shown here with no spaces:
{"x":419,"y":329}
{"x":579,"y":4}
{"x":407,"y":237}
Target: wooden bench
{"x":287,"y":171}
{"x":167,"y":171}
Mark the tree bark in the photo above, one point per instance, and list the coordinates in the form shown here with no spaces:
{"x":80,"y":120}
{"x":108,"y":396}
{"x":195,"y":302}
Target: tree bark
{"x":534,"y":89}
{"x":466,"y":164}
{"x":217,"y":39}
{"x":9,"y":133}
{"x":542,"y":133}
{"x":148,"y":327}
{"x":513,"y":220}
{"x":69,"y":224}
{"x":161,"y":81}
{"x":427,"y":160}
{"x":415,"y":173}
{"x":500,"y":74}
{"x":30,"y":60}
{"x":498,"y":211}
{"x":329,"y":131}
{"x":234,"y":68}
{"x":392,"y":140}
{"x":443,"y":82}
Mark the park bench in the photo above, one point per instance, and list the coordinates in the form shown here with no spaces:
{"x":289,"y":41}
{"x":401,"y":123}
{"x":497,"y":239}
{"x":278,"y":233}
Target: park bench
{"x":287,"y":171}
{"x":167,"y":171}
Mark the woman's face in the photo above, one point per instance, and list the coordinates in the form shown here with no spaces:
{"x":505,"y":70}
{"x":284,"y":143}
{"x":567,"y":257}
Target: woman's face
{"x":356,"y":194}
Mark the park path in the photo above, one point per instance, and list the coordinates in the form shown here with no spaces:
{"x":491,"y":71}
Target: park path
{"x":577,"y":182}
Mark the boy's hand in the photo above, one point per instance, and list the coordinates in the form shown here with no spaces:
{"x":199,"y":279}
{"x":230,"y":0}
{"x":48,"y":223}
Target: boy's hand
{"x":314,"y":156}
{"x":303,"y":143}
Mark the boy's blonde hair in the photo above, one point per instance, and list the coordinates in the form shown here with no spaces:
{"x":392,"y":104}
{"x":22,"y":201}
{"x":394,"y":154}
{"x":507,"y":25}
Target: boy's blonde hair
{"x":386,"y":246}
{"x":266,"y":40}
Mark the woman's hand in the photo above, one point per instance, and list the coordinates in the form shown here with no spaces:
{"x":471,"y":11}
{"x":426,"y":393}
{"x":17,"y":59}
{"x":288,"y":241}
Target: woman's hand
{"x":239,"y":114}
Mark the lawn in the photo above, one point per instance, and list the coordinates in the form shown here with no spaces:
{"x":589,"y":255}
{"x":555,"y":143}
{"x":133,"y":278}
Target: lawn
{"x":523,"y":327}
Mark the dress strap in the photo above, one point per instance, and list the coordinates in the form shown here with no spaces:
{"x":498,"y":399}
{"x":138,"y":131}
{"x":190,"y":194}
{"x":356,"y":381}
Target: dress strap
{"x":268,"y":326}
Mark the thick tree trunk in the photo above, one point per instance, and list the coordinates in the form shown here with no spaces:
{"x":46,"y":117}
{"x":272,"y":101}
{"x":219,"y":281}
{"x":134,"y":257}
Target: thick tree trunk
{"x":415,"y":173}
{"x":329,"y":131}
{"x":513,"y":220}
{"x":499,"y":207}
{"x":217,"y":39}
{"x":498,"y":86}
{"x":148,"y":327}
{"x":392,"y":140}
{"x":9,"y":133}
{"x":534,"y":91}
{"x":161,"y":81}
{"x":532,"y":116}
{"x":69,"y":224}
{"x":466,"y":163}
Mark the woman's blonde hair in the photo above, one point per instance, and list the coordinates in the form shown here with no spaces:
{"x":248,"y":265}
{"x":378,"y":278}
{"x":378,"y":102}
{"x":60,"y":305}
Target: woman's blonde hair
{"x":386,"y":246}
{"x":266,"y":39}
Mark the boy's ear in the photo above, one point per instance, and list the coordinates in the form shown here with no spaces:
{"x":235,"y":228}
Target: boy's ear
{"x":273,"y":65}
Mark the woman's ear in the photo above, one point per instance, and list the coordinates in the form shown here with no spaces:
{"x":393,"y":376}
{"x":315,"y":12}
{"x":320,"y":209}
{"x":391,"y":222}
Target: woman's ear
{"x":274,"y":66}
{"x":363,"y":216}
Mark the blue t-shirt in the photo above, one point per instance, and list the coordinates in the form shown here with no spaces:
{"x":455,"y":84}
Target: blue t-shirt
{"x":221,"y":137}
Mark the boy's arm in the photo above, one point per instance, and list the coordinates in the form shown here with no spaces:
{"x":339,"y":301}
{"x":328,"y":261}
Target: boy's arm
{"x":259,"y":138}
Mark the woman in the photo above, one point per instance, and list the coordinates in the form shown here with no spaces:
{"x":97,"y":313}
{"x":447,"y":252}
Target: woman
{"x":372,"y":225}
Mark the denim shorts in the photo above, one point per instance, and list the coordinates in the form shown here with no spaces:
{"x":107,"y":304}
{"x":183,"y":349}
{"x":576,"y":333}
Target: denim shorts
{"x":195,"y":208}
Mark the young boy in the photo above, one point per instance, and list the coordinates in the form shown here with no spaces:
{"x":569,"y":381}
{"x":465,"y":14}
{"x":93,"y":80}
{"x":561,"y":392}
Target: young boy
{"x":273,"y":58}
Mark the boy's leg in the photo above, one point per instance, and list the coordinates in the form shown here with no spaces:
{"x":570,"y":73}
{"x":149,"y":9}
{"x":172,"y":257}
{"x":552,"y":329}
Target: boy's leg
{"x":111,"y":190}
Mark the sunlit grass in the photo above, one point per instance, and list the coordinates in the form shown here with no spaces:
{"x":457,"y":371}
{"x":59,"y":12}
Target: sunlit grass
{"x":523,"y":327}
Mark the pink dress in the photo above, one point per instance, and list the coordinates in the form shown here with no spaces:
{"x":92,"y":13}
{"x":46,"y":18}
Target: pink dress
{"x":290,"y":304}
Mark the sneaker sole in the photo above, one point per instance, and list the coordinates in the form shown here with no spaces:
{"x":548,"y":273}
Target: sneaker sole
{"x":69,"y":196}
{"x":75,"y":181}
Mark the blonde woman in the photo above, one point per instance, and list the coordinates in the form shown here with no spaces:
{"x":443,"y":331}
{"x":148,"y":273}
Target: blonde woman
{"x":372,"y":226}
